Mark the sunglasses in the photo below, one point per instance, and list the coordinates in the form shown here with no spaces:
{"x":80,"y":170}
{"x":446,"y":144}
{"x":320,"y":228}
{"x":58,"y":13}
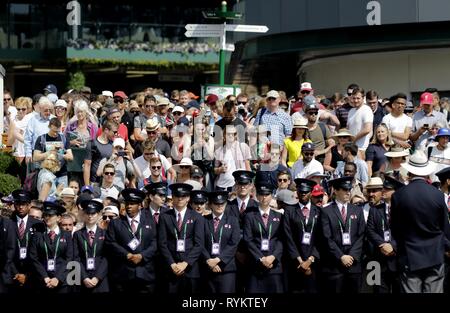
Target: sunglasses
{"x":118,"y":100}
{"x":21,"y":109}
{"x":308,"y":153}
{"x":313,"y":112}
{"x":156,"y":167}
{"x":134,"y":112}
{"x":176,"y":113}
{"x":109,"y":173}
{"x":271,"y":99}
{"x":242,"y":102}
{"x":305,"y":92}
{"x":149,"y":153}
{"x":184,"y":166}
{"x":106,"y":217}
{"x":151,"y":132}
{"x":282,"y":180}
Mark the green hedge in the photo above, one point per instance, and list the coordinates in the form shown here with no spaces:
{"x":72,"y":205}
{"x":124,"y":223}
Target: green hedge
{"x":9,"y":183}
{"x":8,"y":164}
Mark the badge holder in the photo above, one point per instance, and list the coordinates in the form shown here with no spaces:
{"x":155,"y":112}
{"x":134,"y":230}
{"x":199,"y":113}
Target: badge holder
{"x":306,"y":239}
{"x":387,"y":236}
{"x":180,"y":245}
{"x":215,"y":249}
{"x":90,"y":264}
{"x":23,"y":253}
{"x":133,"y":244}
{"x":346,"y":239}
{"x":265,"y":245}
{"x":50,"y":265}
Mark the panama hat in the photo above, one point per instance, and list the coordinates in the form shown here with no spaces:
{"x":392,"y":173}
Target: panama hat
{"x":396,"y":152}
{"x":418,"y":164}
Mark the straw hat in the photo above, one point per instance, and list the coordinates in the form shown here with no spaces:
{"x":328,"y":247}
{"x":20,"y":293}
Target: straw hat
{"x":300,"y":123}
{"x":343,"y":132}
{"x":397,"y":152}
{"x":374,"y":183}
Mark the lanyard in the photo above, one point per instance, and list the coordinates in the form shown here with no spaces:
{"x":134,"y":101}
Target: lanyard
{"x":312,"y":227}
{"x":176,"y":233}
{"x":140,"y":233}
{"x":85,"y":249}
{"x":260,"y":230}
{"x":220,"y":235}
{"x":56,"y":250}
{"x":382,"y":224}
{"x":26,"y":242}
{"x":349,"y":225}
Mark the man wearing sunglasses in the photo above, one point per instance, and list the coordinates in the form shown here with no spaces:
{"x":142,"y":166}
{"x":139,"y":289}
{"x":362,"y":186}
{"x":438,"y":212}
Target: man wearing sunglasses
{"x":305,"y":90}
{"x":108,"y":188}
{"x":147,"y":115}
{"x":307,"y":164}
{"x":121,"y":100}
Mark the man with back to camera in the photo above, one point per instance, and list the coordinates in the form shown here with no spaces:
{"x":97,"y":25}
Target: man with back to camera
{"x":419,"y":223}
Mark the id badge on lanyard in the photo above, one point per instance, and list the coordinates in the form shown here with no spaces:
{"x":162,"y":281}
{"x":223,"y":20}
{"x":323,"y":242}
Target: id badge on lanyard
{"x":22,"y":253}
{"x":306,"y":239}
{"x":346,"y":239}
{"x":134,"y":243}
{"x":50,"y":265}
{"x":265,"y":245}
{"x":387,"y":235}
{"x":215,"y":250}
{"x":180,"y":245}
{"x":90,"y":264}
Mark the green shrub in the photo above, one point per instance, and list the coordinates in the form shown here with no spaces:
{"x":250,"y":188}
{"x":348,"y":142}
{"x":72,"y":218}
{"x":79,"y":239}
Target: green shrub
{"x":76,"y":80}
{"x":8,"y":164}
{"x":9,"y":183}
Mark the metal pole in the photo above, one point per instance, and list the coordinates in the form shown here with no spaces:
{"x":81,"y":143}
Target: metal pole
{"x":222,"y":49}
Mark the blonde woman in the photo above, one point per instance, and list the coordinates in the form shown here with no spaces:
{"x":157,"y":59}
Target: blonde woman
{"x":46,"y":185}
{"x":18,"y":125}
{"x":375,"y":153}
{"x":83,"y":123}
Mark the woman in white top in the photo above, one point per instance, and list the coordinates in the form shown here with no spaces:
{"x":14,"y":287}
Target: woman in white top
{"x":18,"y":126}
{"x":231,"y":156}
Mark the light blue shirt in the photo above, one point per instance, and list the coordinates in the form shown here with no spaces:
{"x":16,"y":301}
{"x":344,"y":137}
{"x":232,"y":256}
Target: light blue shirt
{"x":37,"y":126}
{"x":278,"y":123}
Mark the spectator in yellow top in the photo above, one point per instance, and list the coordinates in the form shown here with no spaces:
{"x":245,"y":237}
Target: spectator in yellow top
{"x":293,"y":144}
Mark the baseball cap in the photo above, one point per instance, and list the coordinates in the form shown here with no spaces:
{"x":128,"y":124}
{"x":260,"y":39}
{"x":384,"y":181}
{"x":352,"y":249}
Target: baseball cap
{"x":107,"y":93}
{"x":51,"y":89}
{"x":317,"y":191}
{"x":273,"y":94}
{"x":426,"y":98}
{"x":120,"y":94}
{"x":306,"y":86}
{"x":178,"y":109}
{"x":310,"y":103}
{"x":61,"y":103}
{"x":119,"y":142}
{"x":87,"y":188}
{"x":212,"y":98}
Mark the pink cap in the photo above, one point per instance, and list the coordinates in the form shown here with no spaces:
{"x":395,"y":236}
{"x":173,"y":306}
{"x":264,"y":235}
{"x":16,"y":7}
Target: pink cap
{"x":426,"y":98}
{"x":120,"y":94}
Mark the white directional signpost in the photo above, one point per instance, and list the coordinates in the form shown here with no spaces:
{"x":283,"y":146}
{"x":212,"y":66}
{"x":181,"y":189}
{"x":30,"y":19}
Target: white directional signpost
{"x":219,"y":30}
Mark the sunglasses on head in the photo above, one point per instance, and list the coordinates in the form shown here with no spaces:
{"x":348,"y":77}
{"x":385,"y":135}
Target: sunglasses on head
{"x":109,"y":173}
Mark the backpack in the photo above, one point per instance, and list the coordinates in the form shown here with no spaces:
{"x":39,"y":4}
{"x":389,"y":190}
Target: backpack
{"x":30,"y":182}
{"x":259,"y":115}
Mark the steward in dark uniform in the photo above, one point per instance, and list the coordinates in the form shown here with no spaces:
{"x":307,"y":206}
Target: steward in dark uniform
{"x":238,"y":208}
{"x":382,"y":245}
{"x":263,"y":236}
{"x":8,"y":242}
{"x":132,"y":244}
{"x":25,"y":227}
{"x":157,"y":194}
{"x":301,"y":227}
{"x":221,"y":242}
{"x":89,"y":250}
{"x":343,"y":229}
{"x":50,"y":252}
{"x":181,"y":237}
{"x":199,"y":199}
